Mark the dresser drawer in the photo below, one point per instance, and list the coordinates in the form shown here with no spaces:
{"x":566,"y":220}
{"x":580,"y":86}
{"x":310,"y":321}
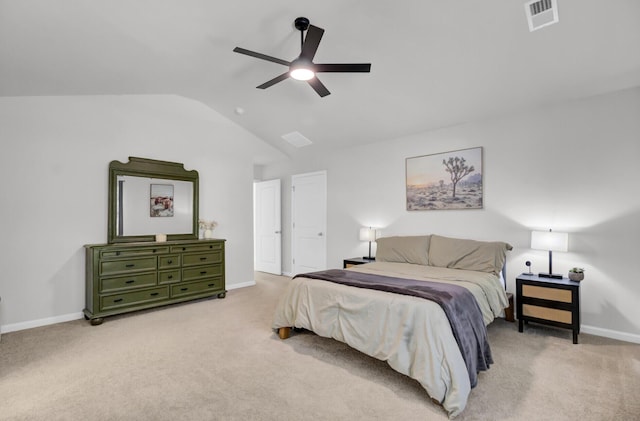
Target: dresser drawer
{"x":127,"y":282}
{"x":562,"y":316}
{"x":108,"y":302}
{"x":202,"y":258}
{"x":197,"y":247}
{"x":201,"y":272}
{"x":108,"y":267}
{"x":169,"y":262}
{"x":183,"y":289}
{"x":169,"y":276}
{"x":553,"y":294}
{"x":133,"y":252}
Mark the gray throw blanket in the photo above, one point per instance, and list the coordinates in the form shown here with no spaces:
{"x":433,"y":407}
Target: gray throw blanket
{"x":458,"y":303}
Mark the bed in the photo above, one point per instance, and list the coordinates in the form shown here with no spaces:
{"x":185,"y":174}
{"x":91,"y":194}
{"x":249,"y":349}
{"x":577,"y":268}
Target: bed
{"x":412,"y":334}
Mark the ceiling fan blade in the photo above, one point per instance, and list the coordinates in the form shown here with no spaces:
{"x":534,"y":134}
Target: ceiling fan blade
{"x":318,"y":87}
{"x":261,"y":56}
{"x":274,"y":81}
{"x":353,"y":67}
{"x":311,"y":42}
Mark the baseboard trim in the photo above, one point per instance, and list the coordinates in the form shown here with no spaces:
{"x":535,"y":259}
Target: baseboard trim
{"x":289,"y":274}
{"x":76,"y":316}
{"x":41,"y":322}
{"x":241,"y":285}
{"x":612,"y":334}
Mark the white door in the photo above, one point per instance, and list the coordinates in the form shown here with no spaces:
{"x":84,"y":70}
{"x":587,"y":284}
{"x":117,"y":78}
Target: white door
{"x":268,"y":233}
{"x":309,"y":222}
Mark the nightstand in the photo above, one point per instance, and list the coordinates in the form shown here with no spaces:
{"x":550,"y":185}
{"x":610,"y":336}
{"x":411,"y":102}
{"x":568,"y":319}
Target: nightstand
{"x":554,"y":302}
{"x":347,"y":263}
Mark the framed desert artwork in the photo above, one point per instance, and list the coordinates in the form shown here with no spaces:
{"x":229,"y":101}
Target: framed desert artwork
{"x":447,"y":180}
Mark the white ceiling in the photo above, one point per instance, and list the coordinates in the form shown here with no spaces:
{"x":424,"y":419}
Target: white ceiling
{"x":435,"y":63}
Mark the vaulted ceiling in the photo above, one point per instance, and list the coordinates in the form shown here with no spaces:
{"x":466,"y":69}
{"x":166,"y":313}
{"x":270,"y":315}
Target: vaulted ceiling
{"x":435,"y":63}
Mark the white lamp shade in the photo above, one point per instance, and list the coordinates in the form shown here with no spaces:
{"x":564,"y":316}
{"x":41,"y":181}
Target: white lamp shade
{"x":549,"y":240}
{"x":367,"y":234}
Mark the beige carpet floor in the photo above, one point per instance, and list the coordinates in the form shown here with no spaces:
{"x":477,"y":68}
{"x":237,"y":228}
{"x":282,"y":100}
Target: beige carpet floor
{"x":219,"y":360}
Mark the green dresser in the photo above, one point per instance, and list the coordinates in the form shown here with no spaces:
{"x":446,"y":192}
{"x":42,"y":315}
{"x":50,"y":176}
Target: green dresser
{"x":127,"y":277}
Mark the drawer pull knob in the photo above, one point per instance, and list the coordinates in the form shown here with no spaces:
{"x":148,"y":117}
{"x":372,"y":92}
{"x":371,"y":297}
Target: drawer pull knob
{"x":184,"y":248}
{"x":130,"y":281}
{"x":130,"y":265}
{"x":170,"y":277}
{"x":117,"y":300}
{"x":117,"y":253}
{"x":212,"y":285}
{"x":184,"y":289}
{"x":203,"y":258}
{"x":170,"y":261}
{"x":153,"y":294}
{"x":204,"y":272}
{"x":154,"y":250}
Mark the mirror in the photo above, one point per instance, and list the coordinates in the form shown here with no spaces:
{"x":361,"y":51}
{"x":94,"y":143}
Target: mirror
{"x":149,"y":197}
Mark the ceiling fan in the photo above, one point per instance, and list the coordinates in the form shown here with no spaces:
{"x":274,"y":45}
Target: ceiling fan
{"x":303,"y":67}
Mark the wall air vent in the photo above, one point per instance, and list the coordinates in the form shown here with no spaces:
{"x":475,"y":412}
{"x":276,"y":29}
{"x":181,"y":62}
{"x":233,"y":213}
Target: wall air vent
{"x":541,"y":13}
{"x":296,"y":139}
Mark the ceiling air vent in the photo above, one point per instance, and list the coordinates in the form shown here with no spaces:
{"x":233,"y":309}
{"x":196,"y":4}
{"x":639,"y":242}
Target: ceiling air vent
{"x":541,"y":13}
{"x":296,"y":139}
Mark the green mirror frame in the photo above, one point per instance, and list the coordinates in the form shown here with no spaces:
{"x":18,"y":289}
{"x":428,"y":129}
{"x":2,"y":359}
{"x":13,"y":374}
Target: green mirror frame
{"x":152,"y":169}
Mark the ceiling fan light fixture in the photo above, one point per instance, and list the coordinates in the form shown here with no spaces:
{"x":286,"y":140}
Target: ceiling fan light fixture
{"x":301,"y":69}
{"x":302,"y":74}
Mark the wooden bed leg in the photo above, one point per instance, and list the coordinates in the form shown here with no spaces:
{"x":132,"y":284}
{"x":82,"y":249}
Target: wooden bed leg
{"x":509,"y":311}
{"x":284,"y":332}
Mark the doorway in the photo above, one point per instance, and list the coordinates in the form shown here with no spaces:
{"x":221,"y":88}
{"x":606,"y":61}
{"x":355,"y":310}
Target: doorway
{"x":268,"y":228}
{"x":309,"y":222}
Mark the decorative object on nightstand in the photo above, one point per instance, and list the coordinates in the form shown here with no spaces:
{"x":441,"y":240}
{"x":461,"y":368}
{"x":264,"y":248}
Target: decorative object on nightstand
{"x":368,"y":234}
{"x":551,"y":241}
{"x":550,"y":301}
{"x":528,"y":264}
{"x":576,"y":274}
{"x":353,"y":261}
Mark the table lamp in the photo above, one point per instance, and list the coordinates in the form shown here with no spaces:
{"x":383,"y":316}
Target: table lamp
{"x":551,"y":241}
{"x":368,"y":234}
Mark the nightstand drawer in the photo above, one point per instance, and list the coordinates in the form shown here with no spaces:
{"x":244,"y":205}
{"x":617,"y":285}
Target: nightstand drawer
{"x":561,"y":316}
{"x":553,"y":294}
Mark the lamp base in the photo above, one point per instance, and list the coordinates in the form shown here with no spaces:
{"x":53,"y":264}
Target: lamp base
{"x":550,"y":275}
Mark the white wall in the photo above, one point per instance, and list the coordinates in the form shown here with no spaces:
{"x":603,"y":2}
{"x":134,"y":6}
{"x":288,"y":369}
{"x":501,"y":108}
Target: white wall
{"x":54,"y":164}
{"x":572,"y":167}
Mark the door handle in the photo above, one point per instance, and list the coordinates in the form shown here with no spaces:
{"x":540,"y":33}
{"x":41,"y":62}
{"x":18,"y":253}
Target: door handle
{"x":278,"y":232}
{"x":319,"y":234}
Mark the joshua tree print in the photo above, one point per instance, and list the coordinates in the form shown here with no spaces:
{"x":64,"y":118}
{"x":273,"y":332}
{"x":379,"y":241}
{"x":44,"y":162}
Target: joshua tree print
{"x":458,"y":169}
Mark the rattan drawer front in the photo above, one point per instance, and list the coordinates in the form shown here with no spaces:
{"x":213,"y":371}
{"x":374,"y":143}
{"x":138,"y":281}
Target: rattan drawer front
{"x":200,"y":272}
{"x":202,"y":258}
{"x":109,"y":267}
{"x":562,"y":316}
{"x":183,"y":289}
{"x":127,"y":282}
{"x":169,"y":276}
{"x":109,"y":302}
{"x":553,"y":294}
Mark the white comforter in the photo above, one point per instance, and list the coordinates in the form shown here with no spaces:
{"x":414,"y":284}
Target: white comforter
{"x":411,"y":334}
